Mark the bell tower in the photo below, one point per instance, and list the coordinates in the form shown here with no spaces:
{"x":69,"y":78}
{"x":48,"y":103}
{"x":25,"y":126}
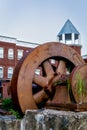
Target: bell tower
{"x":69,"y":35}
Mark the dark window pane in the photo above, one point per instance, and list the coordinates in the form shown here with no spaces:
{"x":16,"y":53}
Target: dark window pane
{"x":68,"y":36}
{"x":76,"y":36}
{"x":60,"y":37}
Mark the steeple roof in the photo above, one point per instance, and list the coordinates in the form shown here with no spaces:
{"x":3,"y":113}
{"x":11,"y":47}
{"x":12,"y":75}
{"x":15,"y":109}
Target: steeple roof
{"x":68,"y":28}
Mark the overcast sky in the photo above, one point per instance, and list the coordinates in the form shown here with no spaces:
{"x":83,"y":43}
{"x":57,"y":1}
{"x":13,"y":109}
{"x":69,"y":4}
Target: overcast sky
{"x":40,"y":21}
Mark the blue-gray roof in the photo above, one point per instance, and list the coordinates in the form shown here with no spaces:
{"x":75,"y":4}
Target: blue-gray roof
{"x":68,"y":28}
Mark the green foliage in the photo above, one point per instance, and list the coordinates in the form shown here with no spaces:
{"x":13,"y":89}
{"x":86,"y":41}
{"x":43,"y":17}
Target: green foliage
{"x":81,"y":89}
{"x":15,"y":113}
{"x":79,"y":85}
{"x":68,"y":85}
{"x":7,"y":104}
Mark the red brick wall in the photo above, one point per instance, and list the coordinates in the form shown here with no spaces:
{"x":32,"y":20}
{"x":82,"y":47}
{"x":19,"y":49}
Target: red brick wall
{"x":25,"y":49}
{"x":5,"y":62}
{"x":77,"y":48}
{"x":5,"y":86}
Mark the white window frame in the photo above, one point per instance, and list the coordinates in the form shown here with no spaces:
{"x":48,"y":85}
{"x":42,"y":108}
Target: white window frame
{"x":10,"y":53}
{"x":10,"y":72}
{"x":1,"y":52}
{"x":19,"y":54}
{"x":53,"y":61}
{"x":1,"y":72}
{"x":38,"y":71}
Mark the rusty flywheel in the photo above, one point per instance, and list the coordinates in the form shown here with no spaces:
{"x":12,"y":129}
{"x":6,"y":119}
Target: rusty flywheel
{"x":78,"y":80}
{"x":52,"y":61}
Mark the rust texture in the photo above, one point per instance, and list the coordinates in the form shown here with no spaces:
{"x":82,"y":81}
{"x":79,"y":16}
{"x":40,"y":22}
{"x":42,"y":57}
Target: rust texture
{"x":78,"y":80}
{"x":50,"y":85}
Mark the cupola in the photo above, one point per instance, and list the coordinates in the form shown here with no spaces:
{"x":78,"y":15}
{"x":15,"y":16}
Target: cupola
{"x":69,"y":34}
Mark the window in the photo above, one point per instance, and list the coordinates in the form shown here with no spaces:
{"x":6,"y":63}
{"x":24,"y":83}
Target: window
{"x":1,"y":52}
{"x":60,"y":37}
{"x":20,"y":54}
{"x":10,"y":72}
{"x":76,"y":36}
{"x":53,"y":61}
{"x":1,"y":72}
{"x":10,"y":53}
{"x":37,"y":71}
{"x":68,"y":36}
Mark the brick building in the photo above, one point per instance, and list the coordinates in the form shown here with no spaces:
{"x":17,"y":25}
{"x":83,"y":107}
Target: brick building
{"x":11,"y":51}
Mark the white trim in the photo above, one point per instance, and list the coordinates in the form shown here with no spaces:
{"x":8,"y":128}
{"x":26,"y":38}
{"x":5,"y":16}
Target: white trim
{"x":19,"y":54}
{"x":26,"y":44}
{"x":1,"y":52}
{"x":18,"y":42}
{"x":63,"y":38}
{"x":10,"y":72}
{"x":10,"y":53}
{"x":73,"y":38}
{"x":7,"y":39}
{"x":1,"y":72}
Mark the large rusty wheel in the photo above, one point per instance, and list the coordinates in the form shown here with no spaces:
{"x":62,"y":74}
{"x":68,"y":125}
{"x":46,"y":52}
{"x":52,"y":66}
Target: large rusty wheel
{"x":24,"y":76}
{"x":78,"y":80}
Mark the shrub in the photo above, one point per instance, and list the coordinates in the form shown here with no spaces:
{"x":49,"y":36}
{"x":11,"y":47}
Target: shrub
{"x":7,"y":104}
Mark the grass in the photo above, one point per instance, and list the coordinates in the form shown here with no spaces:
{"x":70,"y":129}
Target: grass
{"x":79,"y":85}
{"x":81,"y":89}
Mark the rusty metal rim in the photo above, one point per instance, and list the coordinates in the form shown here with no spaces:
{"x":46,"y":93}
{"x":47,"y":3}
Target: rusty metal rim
{"x":31,"y":62}
{"x":78,"y":73}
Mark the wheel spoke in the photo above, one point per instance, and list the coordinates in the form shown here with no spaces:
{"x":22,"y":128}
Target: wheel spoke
{"x":48,"y":69}
{"x":40,"y":96}
{"x":40,"y":80}
{"x":61,"y":67}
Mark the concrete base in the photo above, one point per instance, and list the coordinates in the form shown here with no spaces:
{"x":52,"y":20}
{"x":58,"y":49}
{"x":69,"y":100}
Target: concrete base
{"x":54,"y":120}
{"x":46,"y":120}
